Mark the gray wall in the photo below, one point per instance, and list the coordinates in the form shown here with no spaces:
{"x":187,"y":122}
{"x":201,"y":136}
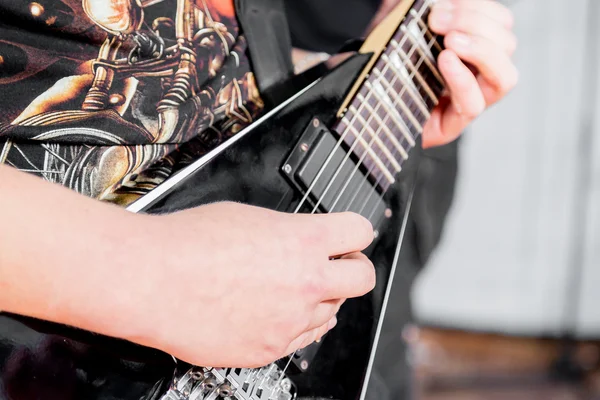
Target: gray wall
{"x":511,"y":243}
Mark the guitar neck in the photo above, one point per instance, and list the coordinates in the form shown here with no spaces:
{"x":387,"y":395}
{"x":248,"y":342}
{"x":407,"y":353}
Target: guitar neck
{"x":386,"y":112}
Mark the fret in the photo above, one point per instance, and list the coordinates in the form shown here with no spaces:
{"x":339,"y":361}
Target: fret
{"x":414,"y":34}
{"x":422,"y":5}
{"x":411,"y":59}
{"x":382,"y":124}
{"x":425,"y":29}
{"x":403,"y":86}
{"x":427,"y":57}
{"x":409,"y":113}
{"x":404,"y":107}
{"x":367,"y":114}
{"x":380,"y":165}
{"x":357,"y":147}
{"x":408,"y":87}
{"x":375,"y":138}
{"x":391,"y":109}
{"x":419,"y":64}
{"x":427,"y":96}
{"x":397,"y":59}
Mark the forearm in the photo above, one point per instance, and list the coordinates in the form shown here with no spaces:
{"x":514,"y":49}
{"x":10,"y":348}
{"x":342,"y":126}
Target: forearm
{"x":63,"y":256}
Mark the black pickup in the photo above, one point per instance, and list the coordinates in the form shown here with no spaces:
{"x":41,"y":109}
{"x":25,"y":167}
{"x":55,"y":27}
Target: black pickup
{"x":320,"y":163}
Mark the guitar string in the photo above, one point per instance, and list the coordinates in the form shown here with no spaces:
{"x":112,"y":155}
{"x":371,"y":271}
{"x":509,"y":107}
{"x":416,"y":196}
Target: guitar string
{"x":428,"y":93}
{"x":422,"y":10}
{"x":376,"y":134}
{"x":430,"y":45}
{"x":419,"y":14}
{"x":352,"y":200}
{"x":375,"y":137}
{"x":417,"y":65}
{"x":379,"y":130}
{"x":366,"y":202}
{"x":282,"y":375}
{"x":340,"y":141}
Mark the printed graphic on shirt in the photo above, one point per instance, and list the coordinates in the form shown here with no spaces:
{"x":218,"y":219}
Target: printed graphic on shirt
{"x":111,"y":97}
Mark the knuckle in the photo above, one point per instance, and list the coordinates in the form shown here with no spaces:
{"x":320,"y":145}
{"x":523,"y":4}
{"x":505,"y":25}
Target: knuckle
{"x":314,"y":285}
{"x":475,"y":110}
{"x":513,"y":43}
{"x":509,"y":16}
{"x":308,"y":339}
{"x":480,"y":47}
{"x":306,"y":324}
{"x":462,"y":91}
{"x":370,"y":279}
{"x":508,"y":81}
{"x":514,"y":78}
{"x":362,"y":226}
{"x":272,"y":349}
{"x":322,"y":231}
{"x":461,"y":20}
{"x":270,"y":353}
{"x":470,"y":113}
{"x":452,"y":38}
{"x":316,"y":334}
{"x":322,"y":332}
{"x":435,"y":21}
{"x":312,"y":237}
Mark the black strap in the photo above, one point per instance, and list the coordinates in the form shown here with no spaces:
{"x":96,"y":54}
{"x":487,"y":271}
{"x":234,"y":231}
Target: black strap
{"x":266,"y":28}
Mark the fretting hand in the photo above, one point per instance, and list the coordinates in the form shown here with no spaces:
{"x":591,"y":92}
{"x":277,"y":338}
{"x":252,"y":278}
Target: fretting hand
{"x":477,"y":33}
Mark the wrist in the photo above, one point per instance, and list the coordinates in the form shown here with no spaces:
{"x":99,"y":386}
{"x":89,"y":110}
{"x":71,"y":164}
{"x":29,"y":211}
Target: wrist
{"x":161,"y":279}
{"x":140,"y":309}
{"x":120,"y":282}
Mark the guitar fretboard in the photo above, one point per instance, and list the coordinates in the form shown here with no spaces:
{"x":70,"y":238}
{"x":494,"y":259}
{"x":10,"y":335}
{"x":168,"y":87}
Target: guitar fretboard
{"x":383,"y":121}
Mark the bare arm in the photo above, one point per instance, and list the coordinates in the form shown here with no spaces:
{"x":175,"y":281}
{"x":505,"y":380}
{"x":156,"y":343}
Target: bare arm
{"x":61,"y":254}
{"x":155,"y":280}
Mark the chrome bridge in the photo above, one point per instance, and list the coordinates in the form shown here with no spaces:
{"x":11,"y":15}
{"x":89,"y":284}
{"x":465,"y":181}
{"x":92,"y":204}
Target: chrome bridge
{"x":267,"y":383}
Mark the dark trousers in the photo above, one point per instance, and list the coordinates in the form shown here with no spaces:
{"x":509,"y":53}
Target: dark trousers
{"x":434,"y":191}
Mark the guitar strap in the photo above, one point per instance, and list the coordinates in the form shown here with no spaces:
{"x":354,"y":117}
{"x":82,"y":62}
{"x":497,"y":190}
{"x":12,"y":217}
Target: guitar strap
{"x":266,"y":28}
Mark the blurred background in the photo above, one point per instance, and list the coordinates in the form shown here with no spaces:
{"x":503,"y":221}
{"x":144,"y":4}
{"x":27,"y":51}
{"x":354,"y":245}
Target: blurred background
{"x":508,"y":306}
{"x":525,"y":217}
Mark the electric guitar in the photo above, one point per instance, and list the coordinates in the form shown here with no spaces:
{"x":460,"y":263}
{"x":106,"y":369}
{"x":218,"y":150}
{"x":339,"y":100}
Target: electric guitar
{"x":348,"y":141}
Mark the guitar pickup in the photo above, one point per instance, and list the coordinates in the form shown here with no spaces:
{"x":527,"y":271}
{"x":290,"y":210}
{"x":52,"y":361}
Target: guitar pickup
{"x":320,"y":164}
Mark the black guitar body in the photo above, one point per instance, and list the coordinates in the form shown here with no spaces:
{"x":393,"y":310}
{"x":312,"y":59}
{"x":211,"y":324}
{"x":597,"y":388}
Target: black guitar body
{"x":39,"y":360}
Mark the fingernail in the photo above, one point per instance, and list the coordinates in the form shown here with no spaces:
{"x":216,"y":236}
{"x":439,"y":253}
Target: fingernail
{"x":459,"y":40}
{"x":441,"y":19}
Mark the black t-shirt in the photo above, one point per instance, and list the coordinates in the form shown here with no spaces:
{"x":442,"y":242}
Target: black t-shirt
{"x":326,"y":25}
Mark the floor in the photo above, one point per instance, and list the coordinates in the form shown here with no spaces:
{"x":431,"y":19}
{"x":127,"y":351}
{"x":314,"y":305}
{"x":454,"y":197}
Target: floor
{"x":453,"y":365}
